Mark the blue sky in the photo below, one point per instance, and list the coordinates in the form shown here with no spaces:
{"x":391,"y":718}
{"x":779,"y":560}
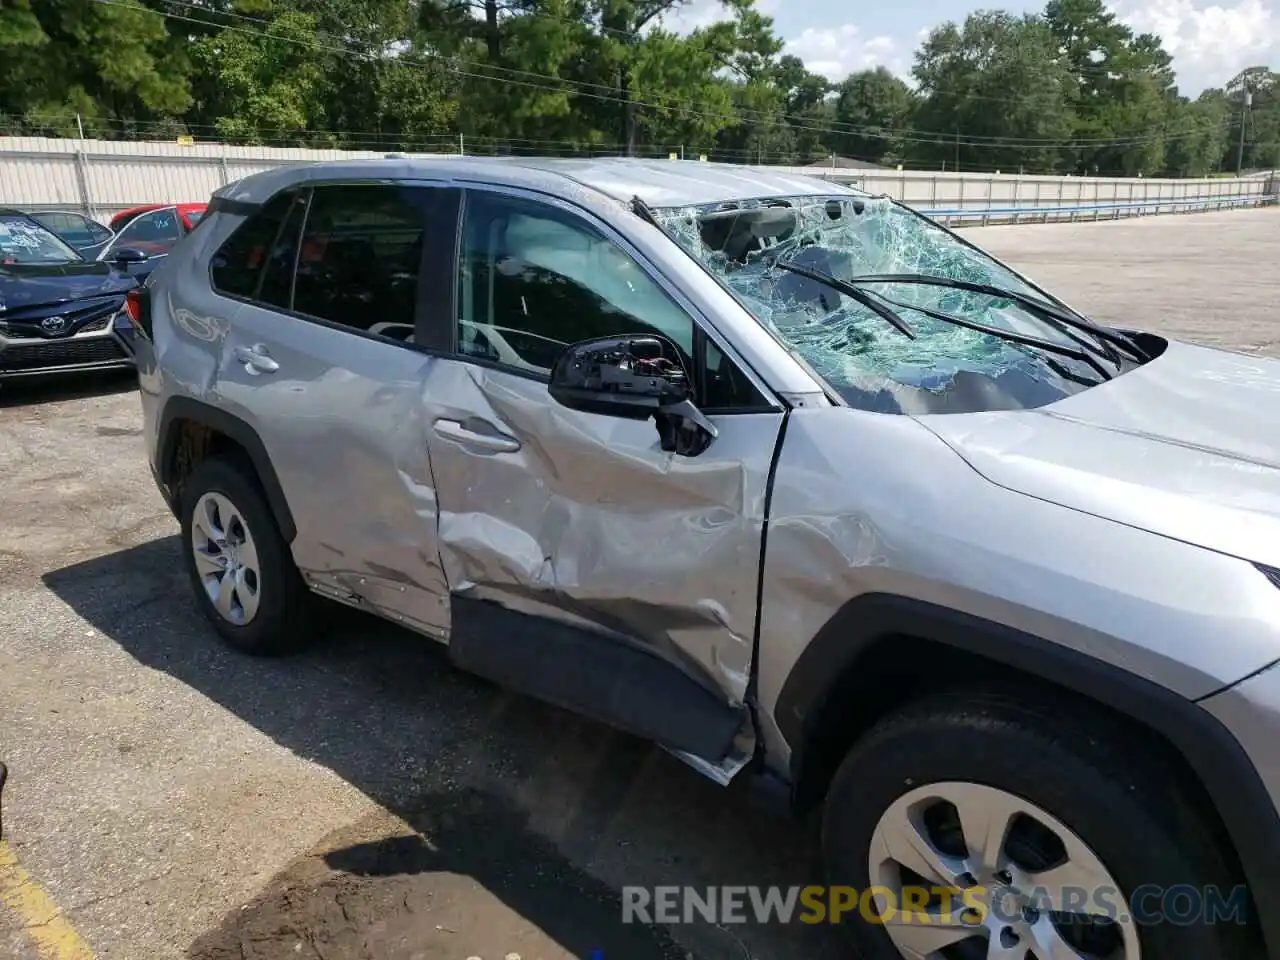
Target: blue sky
{"x":1209,"y":42}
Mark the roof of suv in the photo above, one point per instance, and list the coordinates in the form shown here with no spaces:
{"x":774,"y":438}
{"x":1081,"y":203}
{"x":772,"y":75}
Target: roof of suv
{"x":659,"y":183}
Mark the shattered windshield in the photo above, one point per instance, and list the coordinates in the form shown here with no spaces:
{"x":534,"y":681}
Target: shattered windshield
{"x":900,"y":345}
{"x":24,"y":241}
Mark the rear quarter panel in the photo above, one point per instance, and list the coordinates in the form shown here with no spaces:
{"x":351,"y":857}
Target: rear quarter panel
{"x":189,"y":323}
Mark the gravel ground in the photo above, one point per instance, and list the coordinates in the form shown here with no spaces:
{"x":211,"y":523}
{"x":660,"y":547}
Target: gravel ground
{"x":365,"y":799}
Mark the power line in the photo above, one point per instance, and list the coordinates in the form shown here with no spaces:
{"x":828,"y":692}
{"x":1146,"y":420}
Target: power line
{"x":510,"y":76}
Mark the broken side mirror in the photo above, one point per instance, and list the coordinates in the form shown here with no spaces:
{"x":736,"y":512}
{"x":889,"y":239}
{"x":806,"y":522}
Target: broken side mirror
{"x":636,"y":377}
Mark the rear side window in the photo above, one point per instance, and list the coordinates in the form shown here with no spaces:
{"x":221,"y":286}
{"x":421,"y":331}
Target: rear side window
{"x":239,"y":262}
{"x":276,"y":286}
{"x":360,"y":256}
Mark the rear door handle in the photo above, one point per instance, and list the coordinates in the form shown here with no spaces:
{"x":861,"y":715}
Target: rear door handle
{"x":492,"y":442}
{"x":256,"y":359}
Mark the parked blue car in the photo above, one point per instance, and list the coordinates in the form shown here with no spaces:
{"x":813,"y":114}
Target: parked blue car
{"x":58,"y":311}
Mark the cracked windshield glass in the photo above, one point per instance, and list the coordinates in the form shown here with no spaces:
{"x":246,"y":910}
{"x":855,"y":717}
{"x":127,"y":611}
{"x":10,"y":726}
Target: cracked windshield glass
{"x":891,"y":346}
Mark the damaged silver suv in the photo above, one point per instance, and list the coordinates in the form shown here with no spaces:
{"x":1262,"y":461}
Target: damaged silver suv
{"x":784,"y":477}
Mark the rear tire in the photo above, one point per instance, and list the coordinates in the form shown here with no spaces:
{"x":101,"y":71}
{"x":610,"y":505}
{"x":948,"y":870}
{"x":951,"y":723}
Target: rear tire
{"x":240,"y":567}
{"x":922,"y":788}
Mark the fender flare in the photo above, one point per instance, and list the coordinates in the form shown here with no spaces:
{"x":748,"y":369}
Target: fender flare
{"x":179,"y":409}
{"x":1215,"y":757}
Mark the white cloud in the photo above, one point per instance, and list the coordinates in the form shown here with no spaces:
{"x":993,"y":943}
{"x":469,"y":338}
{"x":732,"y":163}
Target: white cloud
{"x":836,"y":52}
{"x":691,"y":15}
{"x":1209,"y":44}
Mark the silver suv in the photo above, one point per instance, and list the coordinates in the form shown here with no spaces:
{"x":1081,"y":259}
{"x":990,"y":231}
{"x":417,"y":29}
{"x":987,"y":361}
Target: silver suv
{"x":784,"y":477}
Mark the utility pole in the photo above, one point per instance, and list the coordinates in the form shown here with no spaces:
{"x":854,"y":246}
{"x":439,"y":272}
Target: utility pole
{"x":1246,"y":98}
{"x":957,"y":149}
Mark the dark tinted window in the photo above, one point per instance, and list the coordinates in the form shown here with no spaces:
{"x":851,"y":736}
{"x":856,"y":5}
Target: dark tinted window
{"x":236,"y":266}
{"x":359,"y":259}
{"x":277,"y":275}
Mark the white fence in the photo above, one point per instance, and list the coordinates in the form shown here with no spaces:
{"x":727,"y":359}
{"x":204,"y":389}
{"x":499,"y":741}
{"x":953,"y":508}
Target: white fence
{"x":102,"y":177}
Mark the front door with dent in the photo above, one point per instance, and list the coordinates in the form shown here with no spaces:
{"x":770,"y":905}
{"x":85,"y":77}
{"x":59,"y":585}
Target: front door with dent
{"x":586,"y":564}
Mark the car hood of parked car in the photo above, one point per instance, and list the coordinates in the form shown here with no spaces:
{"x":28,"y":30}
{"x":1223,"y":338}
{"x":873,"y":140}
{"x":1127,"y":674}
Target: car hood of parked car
{"x":1186,"y":446}
{"x":26,"y":285}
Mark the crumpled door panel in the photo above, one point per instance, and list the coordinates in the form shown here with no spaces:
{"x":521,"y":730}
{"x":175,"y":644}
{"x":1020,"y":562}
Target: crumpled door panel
{"x":590,"y":523}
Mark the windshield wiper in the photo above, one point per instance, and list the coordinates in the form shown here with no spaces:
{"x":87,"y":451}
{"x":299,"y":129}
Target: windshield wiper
{"x":872,"y":300}
{"x":1075,"y":353}
{"x":849,"y":290}
{"x":1110,"y":338}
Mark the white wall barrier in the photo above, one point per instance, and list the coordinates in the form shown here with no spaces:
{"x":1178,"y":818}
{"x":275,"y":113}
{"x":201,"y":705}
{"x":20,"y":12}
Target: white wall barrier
{"x":100,"y":177}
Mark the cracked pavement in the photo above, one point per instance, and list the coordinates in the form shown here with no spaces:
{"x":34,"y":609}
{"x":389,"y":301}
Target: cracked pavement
{"x":365,"y":799}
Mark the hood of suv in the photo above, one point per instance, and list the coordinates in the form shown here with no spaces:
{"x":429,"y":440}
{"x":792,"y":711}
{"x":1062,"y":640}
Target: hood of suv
{"x":1186,"y":446}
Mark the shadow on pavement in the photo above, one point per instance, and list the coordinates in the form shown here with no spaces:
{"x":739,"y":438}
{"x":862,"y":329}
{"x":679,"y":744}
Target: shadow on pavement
{"x":24,"y":392}
{"x":520,"y":797}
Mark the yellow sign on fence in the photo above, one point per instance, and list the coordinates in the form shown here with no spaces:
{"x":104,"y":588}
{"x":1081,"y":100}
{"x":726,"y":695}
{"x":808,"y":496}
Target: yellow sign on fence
{"x":186,"y":141}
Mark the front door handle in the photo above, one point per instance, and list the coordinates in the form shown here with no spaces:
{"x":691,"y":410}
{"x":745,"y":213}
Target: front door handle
{"x":256,"y":359}
{"x":460,"y":433}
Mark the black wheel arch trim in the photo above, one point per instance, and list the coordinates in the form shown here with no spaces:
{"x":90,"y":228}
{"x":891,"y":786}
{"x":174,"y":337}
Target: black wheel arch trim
{"x":1217,"y":759}
{"x":178,"y":409}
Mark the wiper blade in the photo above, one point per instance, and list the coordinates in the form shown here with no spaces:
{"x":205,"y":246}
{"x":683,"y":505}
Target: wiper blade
{"x":867,"y":300}
{"x":1047,"y":310}
{"x":1075,"y":353}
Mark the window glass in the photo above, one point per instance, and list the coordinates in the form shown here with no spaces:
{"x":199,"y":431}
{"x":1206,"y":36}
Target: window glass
{"x":236,"y":266}
{"x":153,"y":233}
{"x":725,"y":387}
{"x":535,"y":279}
{"x":22,"y":240}
{"x":97,"y":232}
{"x":77,"y":230}
{"x":63,"y":225}
{"x":277,"y":275}
{"x":359,"y":258}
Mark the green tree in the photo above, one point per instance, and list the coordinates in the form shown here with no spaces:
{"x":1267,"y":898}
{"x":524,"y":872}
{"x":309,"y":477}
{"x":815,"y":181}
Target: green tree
{"x":112,"y":65}
{"x":874,"y":109}
{"x":993,"y":94}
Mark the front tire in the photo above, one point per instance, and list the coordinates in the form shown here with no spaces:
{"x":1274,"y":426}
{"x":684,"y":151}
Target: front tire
{"x":1038,"y":810}
{"x":239,"y":565}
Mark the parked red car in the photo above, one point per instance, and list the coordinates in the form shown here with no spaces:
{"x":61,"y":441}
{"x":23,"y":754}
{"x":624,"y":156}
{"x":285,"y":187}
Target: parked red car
{"x":145,"y":235}
{"x":188,"y":213}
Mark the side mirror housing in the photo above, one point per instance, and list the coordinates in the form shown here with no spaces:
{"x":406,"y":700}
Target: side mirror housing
{"x":635,"y":377}
{"x":129,"y":255}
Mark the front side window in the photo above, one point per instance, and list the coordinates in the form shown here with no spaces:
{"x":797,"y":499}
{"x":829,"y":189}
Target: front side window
{"x":535,"y":279}
{"x":23,"y":241}
{"x":359,"y":259}
{"x":773,"y":253}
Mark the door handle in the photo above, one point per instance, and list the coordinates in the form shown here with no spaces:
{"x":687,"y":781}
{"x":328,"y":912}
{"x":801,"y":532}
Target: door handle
{"x":493,"y":442}
{"x":256,"y":359}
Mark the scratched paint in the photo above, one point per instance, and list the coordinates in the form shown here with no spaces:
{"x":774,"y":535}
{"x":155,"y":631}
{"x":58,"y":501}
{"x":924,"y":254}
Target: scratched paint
{"x":43,"y":922}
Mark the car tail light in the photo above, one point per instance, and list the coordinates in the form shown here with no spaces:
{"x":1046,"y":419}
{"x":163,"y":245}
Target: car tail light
{"x":137,"y":304}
